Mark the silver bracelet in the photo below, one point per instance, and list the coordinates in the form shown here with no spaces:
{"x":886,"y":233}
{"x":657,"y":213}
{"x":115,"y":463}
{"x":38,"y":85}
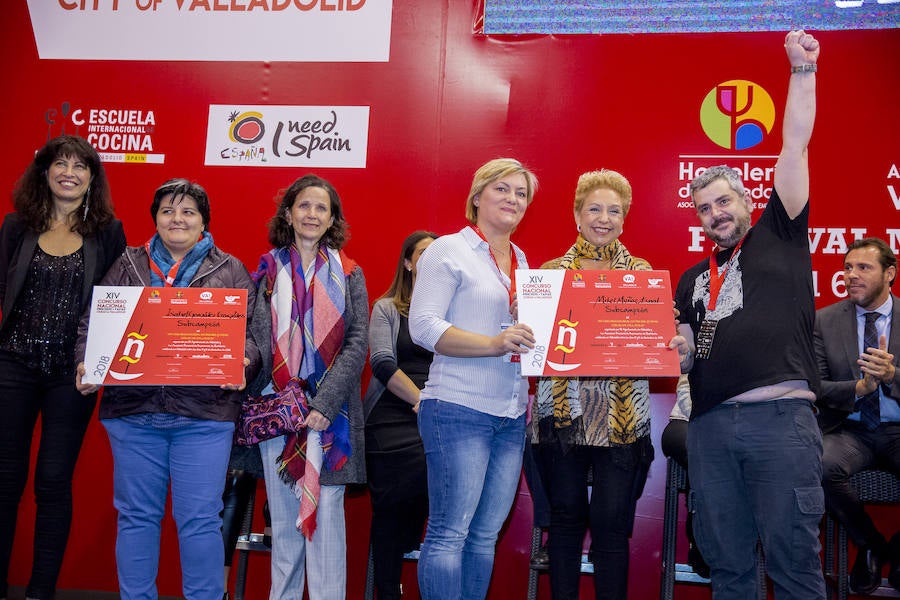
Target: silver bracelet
{"x":805,"y":68}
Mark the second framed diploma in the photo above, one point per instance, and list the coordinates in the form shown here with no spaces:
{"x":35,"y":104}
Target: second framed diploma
{"x":598,"y":323}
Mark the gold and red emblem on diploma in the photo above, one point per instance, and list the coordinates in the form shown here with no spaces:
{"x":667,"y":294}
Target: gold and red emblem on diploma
{"x":598,"y":323}
{"x":166,"y":336}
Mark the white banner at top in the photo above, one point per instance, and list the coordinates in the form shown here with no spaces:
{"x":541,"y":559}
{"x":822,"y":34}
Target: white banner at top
{"x":219,"y":30}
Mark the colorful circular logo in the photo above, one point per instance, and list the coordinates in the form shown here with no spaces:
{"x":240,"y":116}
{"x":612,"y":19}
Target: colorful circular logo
{"x":246,"y":127}
{"x":737,"y":114}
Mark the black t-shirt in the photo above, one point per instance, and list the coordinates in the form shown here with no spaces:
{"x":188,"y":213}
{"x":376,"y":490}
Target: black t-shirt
{"x":392,"y":414}
{"x":765,"y":311}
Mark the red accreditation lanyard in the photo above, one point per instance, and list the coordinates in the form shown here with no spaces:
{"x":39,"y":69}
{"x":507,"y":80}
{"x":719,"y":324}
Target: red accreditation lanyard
{"x":168,"y":280}
{"x":715,"y":280}
{"x":513,"y":265}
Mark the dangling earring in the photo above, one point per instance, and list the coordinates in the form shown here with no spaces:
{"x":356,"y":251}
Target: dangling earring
{"x":87,"y":197}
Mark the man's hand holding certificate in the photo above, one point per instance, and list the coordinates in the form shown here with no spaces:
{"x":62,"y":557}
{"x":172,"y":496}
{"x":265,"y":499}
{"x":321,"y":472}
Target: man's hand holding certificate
{"x":598,"y":323}
{"x":166,"y":336}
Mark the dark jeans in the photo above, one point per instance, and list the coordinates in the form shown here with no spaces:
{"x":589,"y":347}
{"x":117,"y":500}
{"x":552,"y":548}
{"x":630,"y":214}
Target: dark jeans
{"x":534,"y":478}
{"x":398,"y":482}
{"x":847,"y":450}
{"x":756,"y":474}
{"x":619,"y":474}
{"x":65,"y":414}
{"x":391,"y":533}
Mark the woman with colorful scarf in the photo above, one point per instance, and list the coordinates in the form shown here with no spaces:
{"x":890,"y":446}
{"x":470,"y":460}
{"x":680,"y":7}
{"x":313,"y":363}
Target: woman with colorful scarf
{"x":177,"y":434}
{"x":601,"y":425}
{"x":472,"y":409}
{"x":311,"y":326}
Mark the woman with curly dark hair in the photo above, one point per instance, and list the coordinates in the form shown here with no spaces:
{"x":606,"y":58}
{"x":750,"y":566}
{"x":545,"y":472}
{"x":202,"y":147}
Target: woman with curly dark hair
{"x":58,"y":243}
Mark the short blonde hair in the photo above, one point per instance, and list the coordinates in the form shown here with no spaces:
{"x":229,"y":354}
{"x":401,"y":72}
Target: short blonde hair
{"x":604,"y":179}
{"x":490,"y":172}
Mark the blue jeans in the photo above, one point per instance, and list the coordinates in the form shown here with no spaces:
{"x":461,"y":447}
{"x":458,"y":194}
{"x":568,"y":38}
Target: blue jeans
{"x":474,"y":462}
{"x":756,"y":473}
{"x":322,"y":561}
{"x":148,"y":451}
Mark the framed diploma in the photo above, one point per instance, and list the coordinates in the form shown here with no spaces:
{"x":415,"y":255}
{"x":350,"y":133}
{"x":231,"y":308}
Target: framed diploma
{"x":166,"y":336}
{"x":598,"y":323}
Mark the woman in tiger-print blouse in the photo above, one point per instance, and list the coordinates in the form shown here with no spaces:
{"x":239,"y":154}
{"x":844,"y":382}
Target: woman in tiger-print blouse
{"x":601,"y":424}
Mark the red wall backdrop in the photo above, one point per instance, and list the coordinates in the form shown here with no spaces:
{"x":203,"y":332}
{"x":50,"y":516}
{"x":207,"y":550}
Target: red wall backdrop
{"x":445,"y":102}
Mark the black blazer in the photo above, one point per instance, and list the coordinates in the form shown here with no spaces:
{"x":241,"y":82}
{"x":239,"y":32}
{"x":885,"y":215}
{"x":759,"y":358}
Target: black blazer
{"x":837,"y":349}
{"x":17,"y":246}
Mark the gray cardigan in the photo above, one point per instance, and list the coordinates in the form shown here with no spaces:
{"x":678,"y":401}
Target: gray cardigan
{"x":384,"y":327}
{"x":343,"y":379}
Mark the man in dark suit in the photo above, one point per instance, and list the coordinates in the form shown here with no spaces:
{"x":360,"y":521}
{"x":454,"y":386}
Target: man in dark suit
{"x":857,"y":344}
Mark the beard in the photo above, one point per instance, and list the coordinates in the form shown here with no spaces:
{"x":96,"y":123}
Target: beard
{"x":868,"y":297}
{"x":729,"y":240}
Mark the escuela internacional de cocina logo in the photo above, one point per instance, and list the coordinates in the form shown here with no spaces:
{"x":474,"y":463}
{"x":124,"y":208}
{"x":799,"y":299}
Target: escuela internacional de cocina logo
{"x":737,"y":114}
